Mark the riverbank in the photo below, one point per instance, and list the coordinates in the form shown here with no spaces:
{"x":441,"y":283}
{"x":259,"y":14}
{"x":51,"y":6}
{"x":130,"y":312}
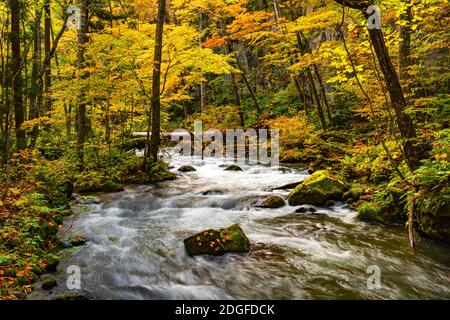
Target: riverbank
{"x":34,"y":206}
{"x":382,"y":187}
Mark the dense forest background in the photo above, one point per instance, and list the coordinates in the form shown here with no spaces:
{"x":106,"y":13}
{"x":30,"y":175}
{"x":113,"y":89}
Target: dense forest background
{"x":370,"y":105}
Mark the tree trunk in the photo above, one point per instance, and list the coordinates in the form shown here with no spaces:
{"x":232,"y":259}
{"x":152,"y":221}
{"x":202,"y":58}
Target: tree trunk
{"x":81,"y":111}
{"x":404,"y":121}
{"x":47,"y":48}
{"x":156,"y":88}
{"x":235,"y":90}
{"x":16,"y":78}
{"x":203,"y":98}
{"x":34,"y":89}
{"x":405,"y":42}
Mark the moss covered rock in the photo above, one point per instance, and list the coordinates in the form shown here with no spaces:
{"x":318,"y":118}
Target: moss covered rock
{"x":49,"y":283}
{"x":51,"y":263}
{"x":273,"y":202}
{"x":317,"y":190}
{"x":110,"y":187}
{"x":234,"y":240}
{"x":187,"y":169}
{"x":369,"y":211}
{"x":217,"y":242}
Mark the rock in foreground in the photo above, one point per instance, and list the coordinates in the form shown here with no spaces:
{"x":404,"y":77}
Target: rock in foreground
{"x":317,"y":190}
{"x":217,"y":242}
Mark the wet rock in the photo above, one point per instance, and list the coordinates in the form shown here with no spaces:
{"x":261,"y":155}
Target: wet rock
{"x":49,"y":283}
{"x":78,"y":241}
{"x":51,"y":263}
{"x":71,"y":296}
{"x":110,"y":187}
{"x":273,"y":202}
{"x":330,"y":203}
{"x":217,"y":242}
{"x":233,"y":168}
{"x":187,"y":169}
{"x":317,"y":190}
{"x":306,"y":210}
{"x":212,"y":192}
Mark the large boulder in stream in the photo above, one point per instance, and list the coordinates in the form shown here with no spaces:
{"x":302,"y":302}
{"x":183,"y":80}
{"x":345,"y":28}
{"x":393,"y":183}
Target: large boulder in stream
{"x":218,"y":242}
{"x":317,"y":190}
{"x":273,"y":202}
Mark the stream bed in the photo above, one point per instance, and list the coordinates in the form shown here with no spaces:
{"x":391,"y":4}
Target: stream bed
{"x":135,"y":246}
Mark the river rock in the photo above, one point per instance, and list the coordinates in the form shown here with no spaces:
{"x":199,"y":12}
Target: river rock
{"x":49,"y":283}
{"x":111,"y":187}
{"x":233,"y":168}
{"x":217,"y":242}
{"x":273,"y":202}
{"x":187,"y":169}
{"x":317,"y":190}
{"x":51,"y":263}
{"x":306,"y":210}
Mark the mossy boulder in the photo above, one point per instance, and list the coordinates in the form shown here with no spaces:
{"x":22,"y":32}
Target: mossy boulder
{"x":233,"y":168}
{"x":110,"y":187}
{"x":49,"y":283}
{"x":51,"y":263}
{"x":187,"y":169}
{"x":369,"y":211}
{"x":273,"y":202}
{"x":317,"y":189}
{"x":234,"y":240}
{"x":217,"y":242}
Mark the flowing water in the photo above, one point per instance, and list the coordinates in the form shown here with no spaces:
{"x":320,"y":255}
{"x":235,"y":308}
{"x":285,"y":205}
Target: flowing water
{"x":135,"y":245}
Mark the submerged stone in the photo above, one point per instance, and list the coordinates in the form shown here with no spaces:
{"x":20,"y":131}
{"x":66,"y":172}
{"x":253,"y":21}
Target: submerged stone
{"x":319,"y":188}
{"x":217,"y":242}
{"x":233,"y":168}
